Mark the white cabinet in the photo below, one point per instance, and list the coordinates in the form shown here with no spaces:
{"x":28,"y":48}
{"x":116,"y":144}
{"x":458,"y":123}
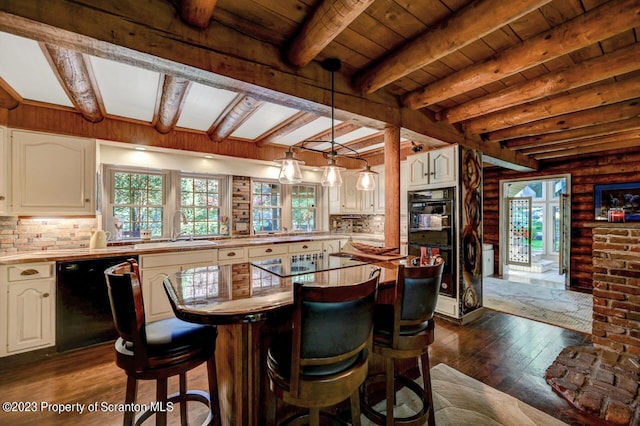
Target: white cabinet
{"x":153,"y":270}
{"x":5,"y":168}
{"x":267,"y":252}
{"x":378,"y":193}
{"x":331,"y":246}
{"x":28,"y":307}
{"x":52,"y":174}
{"x":434,"y":167}
{"x":353,"y":201}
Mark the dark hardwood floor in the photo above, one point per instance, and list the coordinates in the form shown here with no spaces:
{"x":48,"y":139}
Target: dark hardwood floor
{"x":506,"y":352}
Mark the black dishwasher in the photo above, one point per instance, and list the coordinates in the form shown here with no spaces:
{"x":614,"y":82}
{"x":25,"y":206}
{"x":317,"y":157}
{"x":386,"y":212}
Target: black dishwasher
{"x":83,"y":312}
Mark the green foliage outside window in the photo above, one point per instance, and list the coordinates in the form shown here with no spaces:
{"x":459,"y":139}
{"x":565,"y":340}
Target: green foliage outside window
{"x":138,"y":200}
{"x":267,"y":206}
{"x":200,"y":201}
{"x":303,"y":204}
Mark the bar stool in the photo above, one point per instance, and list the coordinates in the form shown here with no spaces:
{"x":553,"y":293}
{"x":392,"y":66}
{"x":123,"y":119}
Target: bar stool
{"x":405,"y":330}
{"x":158,"y":350}
{"x":323,"y":360}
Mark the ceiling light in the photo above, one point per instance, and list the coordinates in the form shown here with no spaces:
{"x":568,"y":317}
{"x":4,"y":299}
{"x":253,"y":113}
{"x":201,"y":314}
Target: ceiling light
{"x":366,"y":179}
{"x":140,"y":148}
{"x":290,"y":168}
{"x":331,"y":176}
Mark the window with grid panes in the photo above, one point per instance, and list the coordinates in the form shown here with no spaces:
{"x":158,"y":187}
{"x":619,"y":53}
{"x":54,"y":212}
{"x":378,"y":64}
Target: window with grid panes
{"x":200,"y":201}
{"x":138,"y":201}
{"x":267,"y":206}
{"x":303,"y":207}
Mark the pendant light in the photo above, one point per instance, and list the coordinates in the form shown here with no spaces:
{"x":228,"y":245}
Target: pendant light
{"x":366,"y":179}
{"x":331,"y":172}
{"x":290,"y":168}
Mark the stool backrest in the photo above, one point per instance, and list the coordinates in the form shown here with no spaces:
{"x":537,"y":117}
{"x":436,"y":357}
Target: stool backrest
{"x":331,"y":326}
{"x":417,"y":288}
{"x":127,"y":306}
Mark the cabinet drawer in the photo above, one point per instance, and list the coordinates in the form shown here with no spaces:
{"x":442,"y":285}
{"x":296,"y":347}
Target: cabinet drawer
{"x":30,"y":271}
{"x":178,"y":258}
{"x":237,"y":253}
{"x":308,"y":247}
{"x":272,"y":250}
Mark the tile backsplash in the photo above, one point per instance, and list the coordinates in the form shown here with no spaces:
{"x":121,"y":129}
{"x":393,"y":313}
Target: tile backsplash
{"x":29,"y":234}
{"x":366,"y":224}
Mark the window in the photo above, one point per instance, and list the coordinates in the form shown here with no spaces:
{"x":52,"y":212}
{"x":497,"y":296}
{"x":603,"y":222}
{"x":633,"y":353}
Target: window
{"x":138,"y":200}
{"x":267,"y":206}
{"x":303,"y":207}
{"x":200,"y":201}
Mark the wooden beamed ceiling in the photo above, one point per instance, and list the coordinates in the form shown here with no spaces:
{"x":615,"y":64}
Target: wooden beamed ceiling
{"x":525,"y":81}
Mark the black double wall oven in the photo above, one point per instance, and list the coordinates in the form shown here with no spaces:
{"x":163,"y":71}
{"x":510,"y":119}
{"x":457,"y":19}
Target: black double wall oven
{"x":432,"y":227}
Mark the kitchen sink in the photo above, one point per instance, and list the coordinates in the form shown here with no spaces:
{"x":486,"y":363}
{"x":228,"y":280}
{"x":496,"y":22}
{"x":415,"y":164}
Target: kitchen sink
{"x":174,"y":244}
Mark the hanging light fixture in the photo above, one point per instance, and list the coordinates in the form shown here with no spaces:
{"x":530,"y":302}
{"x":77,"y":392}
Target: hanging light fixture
{"x":366,"y":179}
{"x":290,"y":168}
{"x":331,"y":176}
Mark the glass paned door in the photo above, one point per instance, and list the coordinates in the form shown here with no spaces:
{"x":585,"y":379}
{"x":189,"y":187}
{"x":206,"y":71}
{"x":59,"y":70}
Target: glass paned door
{"x":519,"y":230}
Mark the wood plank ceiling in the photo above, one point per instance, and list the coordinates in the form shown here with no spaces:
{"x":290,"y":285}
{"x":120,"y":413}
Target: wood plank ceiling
{"x":526,"y":81}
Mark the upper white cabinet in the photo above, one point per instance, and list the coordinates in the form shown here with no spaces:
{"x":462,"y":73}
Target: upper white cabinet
{"x":352,"y":201}
{"x":378,"y":193}
{"x":433,"y":167}
{"x":52,"y":174}
{"x":5,"y":168}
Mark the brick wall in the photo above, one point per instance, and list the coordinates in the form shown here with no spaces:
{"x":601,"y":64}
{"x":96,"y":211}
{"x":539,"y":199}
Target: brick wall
{"x":29,"y":234}
{"x":616,"y":282}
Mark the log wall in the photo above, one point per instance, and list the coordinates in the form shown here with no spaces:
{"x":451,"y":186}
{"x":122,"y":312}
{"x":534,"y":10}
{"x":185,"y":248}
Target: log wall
{"x":621,"y":167}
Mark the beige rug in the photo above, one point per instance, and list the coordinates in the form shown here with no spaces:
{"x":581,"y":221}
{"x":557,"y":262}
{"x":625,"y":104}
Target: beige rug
{"x":567,"y":309}
{"x":461,"y":400}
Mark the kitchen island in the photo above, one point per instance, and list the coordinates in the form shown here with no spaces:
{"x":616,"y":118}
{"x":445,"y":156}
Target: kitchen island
{"x":249,"y":302}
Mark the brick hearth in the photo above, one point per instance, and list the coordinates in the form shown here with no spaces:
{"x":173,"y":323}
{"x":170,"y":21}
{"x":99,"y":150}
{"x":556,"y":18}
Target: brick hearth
{"x":602,"y":380}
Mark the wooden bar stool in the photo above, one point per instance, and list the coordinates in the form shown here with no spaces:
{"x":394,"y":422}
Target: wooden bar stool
{"x":405,"y":330}
{"x":158,"y":350}
{"x":324,"y":360}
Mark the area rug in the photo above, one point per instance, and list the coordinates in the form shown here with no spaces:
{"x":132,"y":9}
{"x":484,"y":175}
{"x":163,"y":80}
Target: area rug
{"x":568,"y":309}
{"x":462,"y":400}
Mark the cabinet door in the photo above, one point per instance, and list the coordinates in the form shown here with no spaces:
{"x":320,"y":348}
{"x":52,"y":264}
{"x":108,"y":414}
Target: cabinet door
{"x":418,"y":169}
{"x":378,"y":198}
{"x":5,"y":163}
{"x":332,"y":246}
{"x":31,"y":315}
{"x":350,"y":196}
{"x":156,"y":301}
{"x":334,"y":200}
{"x":52,"y":174}
{"x":442,"y":163}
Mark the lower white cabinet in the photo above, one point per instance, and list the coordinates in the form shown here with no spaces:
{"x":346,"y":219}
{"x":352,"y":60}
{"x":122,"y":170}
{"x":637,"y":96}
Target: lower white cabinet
{"x":28,"y":307}
{"x":153,"y":270}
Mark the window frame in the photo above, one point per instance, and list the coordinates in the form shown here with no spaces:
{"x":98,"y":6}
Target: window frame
{"x":223,"y":196}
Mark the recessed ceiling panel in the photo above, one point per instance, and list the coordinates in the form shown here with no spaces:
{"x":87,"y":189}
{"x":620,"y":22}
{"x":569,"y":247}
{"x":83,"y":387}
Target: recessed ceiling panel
{"x":371,"y":148}
{"x":202,"y":106}
{"x":126,"y":91}
{"x":264,"y":119}
{"x":24,"y":67}
{"x":307,"y":131}
{"x":356,"y":134}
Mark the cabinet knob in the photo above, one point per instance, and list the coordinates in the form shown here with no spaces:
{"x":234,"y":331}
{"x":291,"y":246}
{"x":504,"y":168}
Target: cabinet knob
{"x":45,"y":295}
{"x":268,"y":250}
{"x":305,"y":246}
{"x":1,"y":197}
{"x":233,"y":253}
{"x":86,"y":200}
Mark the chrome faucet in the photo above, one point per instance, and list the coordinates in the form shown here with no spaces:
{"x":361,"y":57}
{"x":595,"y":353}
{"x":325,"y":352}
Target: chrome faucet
{"x":175,"y":229}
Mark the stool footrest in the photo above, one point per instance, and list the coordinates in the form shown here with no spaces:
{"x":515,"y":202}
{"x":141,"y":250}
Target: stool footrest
{"x":175,"y":398}
{"x":378,"y":418}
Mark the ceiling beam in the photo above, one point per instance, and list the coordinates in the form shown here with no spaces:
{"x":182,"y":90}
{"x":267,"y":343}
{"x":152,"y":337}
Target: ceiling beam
{"x":605,"y":21}
{"x":574,"y":120}
{"x":326,"y":22}
{"x":174,"y":91}
{"x":468,"y":25}
{"x":241,"y":108}
{"x":584,"y":99}
{"x":631,"y":143}
{"x":293,"y":123}
{"x":72,"y":72}
{"x":197,"y":12}
{"x":592,"y":70}
{"x":583,"y":132}
{"x":576,"y":143}
{"x":361,"y":143}
{"x":9,"y":98}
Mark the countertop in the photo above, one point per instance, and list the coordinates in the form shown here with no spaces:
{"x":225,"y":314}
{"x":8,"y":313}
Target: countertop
{"x":120,"y":249}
